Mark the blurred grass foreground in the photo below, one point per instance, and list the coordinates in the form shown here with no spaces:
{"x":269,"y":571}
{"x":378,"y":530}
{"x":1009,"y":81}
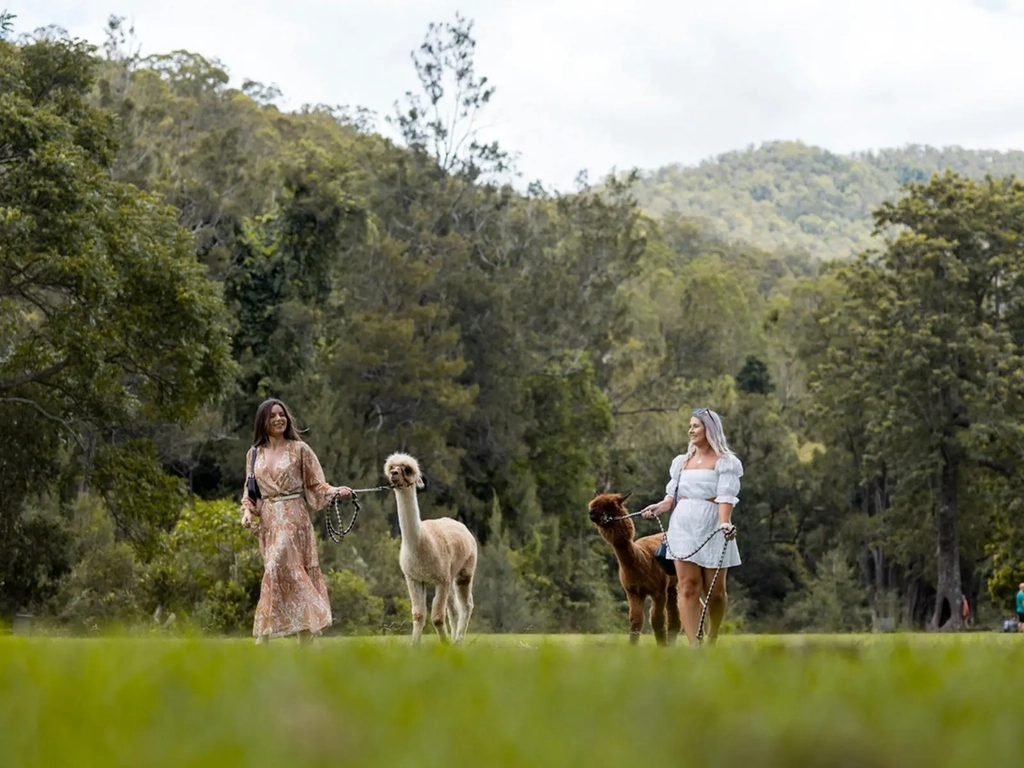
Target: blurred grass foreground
{"x":524,"y":701}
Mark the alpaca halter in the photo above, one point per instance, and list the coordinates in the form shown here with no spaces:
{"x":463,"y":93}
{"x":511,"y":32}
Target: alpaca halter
{"x":608,"y":519}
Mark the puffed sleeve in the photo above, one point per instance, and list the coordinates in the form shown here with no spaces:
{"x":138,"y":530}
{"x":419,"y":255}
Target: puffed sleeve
{"x":316,"y":488}
{"x":730,"y":470}
{"x":673,"y":475}
{"x":247,"y":503}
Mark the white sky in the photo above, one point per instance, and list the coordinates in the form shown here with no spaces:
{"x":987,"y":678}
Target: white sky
{"x":595,"y":84}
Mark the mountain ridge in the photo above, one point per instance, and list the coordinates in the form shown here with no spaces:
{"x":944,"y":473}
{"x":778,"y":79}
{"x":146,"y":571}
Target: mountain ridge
{"x":790,"y":195}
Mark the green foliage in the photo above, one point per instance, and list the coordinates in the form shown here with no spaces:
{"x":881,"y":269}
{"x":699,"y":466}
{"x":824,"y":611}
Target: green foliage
{"x":754,"y":378}
{"x":355,"y":610}
{"x":141,"y":497}
{"x":934,"y":356}
{"x":106,"y":319}
{"x":570,"y":420}
{"x":208,"y":567}
{"x":833,"y":600}
{"x":501,"y":595}
{"x":789,"y":196}
{"x":102,"y":298}
{"x":568,"y":581}
{"x":36,"y":546}
{"x":103,"y":587}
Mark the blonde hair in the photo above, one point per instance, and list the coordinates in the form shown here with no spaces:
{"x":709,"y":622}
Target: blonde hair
{"x":713,"y":432}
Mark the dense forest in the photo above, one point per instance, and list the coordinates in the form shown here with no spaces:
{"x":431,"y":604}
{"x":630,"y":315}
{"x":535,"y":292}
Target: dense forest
{"x":787,"y":195}
{"x":174,"y":249}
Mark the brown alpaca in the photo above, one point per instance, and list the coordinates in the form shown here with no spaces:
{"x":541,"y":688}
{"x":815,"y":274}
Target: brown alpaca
{"x":639,"y":573}
{"x":440,"y":553}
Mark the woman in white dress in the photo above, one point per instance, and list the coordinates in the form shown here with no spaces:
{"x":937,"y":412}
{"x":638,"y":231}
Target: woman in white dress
{"x":701,"y":493}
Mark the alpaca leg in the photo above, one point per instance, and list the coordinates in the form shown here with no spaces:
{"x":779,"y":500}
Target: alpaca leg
{"x":418,"y":599}
{"x":636,"y":617}
{"x":658,"y":605}
{"x":438,"y":609}
{"x":451,"y":616}
{"x":674,"y":625}
{"x":464,"y":587}
{"x":464,"y":590}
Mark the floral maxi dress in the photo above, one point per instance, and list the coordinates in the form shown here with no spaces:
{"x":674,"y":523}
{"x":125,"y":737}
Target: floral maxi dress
{"x":293,"y":595}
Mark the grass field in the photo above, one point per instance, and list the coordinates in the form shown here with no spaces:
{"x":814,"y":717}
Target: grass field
{"x":896,"y":700}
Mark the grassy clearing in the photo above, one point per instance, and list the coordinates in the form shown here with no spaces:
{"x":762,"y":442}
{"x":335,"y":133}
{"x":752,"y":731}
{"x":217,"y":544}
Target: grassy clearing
{"x":513,"y":700}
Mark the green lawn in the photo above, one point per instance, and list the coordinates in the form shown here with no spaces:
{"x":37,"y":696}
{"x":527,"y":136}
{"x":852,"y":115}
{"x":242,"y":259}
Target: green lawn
{"x":530,"y":700}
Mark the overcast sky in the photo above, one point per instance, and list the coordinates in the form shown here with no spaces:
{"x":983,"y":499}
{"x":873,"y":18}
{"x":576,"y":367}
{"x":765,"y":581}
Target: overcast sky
{"x":596,"y":84}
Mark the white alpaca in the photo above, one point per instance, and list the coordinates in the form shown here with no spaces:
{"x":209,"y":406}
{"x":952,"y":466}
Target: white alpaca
{"x":439,"y":552}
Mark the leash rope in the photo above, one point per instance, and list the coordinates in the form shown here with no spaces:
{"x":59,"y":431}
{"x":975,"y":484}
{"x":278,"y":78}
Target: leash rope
{"x":336,"y":529}
{"x":714,"y":579}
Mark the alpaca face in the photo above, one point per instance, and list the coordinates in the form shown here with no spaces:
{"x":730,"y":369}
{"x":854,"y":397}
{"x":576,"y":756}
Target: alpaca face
{"x":608,"y":507}
{"x":402,"y":471}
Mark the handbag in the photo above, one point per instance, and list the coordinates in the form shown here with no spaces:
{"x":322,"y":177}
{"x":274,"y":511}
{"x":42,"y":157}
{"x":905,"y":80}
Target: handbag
{"x":662,"y":559}
{"x":251,"y":485}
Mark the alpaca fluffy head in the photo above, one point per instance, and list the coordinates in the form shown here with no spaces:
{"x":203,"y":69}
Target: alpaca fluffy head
{"x":607,"y":507}
{"x":403,"y":471}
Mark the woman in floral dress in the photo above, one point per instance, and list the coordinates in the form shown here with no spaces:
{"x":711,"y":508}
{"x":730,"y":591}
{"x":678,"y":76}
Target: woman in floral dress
{"x":293,"y":595}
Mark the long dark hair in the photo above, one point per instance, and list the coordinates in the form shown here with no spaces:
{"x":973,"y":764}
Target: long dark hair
{"x":261,"y":433}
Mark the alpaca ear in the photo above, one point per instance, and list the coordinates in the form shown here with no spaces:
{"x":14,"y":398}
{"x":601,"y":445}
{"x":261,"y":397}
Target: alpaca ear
{"x":624,"y":496}
{"x":419,"y":482}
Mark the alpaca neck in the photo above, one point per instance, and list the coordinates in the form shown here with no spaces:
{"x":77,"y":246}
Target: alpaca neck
{"x":409,"y":515}
{"x":620,"y":536}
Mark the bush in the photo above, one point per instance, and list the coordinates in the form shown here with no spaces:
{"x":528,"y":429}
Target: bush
{"x":832,"y":602}
{"x":355,"y":610}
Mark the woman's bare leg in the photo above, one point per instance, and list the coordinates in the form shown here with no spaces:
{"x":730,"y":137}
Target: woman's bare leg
{"x":688,"y":575}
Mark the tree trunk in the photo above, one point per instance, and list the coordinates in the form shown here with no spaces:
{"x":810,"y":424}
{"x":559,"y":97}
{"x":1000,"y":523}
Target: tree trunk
{"x":913,"y":588}
{"x":948,"y":591}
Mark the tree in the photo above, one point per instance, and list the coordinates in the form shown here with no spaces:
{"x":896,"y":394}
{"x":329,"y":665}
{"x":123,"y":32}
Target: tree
{"x":105,"y":310}
{"x":937,"y":351}
{"x":445,"y":127}
{"x":106,"y":319}
{"x":754,"y":377}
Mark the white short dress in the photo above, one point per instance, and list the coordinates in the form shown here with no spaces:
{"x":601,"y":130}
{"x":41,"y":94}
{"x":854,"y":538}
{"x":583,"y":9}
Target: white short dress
{"x":694,"y":517}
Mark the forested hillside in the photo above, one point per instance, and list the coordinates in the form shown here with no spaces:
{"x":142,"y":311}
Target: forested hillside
{"x":787,"y":195}
{"x":173,"y":250}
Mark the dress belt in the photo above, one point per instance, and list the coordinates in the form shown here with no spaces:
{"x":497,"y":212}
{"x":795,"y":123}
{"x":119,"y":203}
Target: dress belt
{"x":284,"y":497}
{"x":687,"y":498}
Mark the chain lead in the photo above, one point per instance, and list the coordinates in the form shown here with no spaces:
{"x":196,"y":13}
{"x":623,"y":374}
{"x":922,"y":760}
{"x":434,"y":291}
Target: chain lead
{"x":335,"y":528}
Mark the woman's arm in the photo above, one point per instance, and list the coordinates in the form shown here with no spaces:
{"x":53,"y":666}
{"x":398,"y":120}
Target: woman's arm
{"x":248,"y":504}
{"x":317,"y":490}
{"x":730,"y":470}
{"x":725,"y":514}
{"x":653,"y":510}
